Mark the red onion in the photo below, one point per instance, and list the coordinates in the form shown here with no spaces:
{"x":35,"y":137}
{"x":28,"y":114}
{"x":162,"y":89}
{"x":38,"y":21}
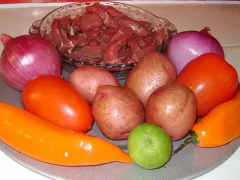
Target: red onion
{"x":187,"y":45}
{"x":26,"y":57}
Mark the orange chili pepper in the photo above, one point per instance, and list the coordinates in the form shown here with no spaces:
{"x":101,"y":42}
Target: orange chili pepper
{"x":220,"y":126}
{"x":49,"y":143}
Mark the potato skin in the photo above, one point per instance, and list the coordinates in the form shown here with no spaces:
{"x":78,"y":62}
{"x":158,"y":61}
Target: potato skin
{"x":117,"y":110}
{"x":87,"y":79}
{"x":174,"y":108}
{"x":152,"y":71}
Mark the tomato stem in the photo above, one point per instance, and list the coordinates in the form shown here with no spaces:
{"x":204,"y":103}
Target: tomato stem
{"x":187,"y":141}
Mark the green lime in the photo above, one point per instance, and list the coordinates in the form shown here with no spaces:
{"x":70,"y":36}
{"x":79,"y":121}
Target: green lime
{"x":149,"y":146}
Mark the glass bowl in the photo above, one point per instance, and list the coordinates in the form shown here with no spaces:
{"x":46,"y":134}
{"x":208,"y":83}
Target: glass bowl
{"x":43,"y":27}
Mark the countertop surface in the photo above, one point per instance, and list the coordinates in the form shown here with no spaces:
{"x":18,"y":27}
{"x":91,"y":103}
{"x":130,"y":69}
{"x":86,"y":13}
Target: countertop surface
{"x":225,"y":26}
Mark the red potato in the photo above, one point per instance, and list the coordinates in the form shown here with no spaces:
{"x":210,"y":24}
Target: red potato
{"x":154,"y":70}
{"x":174,"y":108}
{"x":117,"y":110}
{"x":87,"y":79}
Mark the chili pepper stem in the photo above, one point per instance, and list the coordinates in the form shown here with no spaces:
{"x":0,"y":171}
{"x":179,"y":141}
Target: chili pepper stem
{"x":187,"y":141}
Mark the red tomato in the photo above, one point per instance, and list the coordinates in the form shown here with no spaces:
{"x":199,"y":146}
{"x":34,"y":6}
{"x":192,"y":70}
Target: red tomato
{"x":55,"y":100}
{"x":212,"y":80}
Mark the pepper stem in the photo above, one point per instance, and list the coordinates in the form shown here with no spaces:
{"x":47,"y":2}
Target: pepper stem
{"x":187,"y":141}
{"x":194,"y":137}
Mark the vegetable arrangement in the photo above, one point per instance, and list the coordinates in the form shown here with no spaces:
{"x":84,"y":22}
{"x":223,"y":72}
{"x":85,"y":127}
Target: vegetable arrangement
{"x":159,"y":103}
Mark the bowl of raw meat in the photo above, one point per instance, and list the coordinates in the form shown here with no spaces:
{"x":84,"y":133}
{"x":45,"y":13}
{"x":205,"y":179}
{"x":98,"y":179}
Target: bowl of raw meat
{"x":111,"y":35}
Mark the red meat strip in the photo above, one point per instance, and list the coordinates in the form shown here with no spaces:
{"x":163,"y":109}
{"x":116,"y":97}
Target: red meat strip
{"x":63,"y":34}
{"x":87,"y":53}
{"x":65,"y":22}
{"x":114,"y":12}
{"x":136,"y":27}
{"x":120,"y":39}
{"x":134,"y":45}
{"x":94,"y":42}
{"x":141,"y":41}
{"x":55,"y":24}
{"x":75,"y":24}
{"x":150,"y":40}
{"x":159,"y":36}
{"x":55,"y":37}
{"x":107,"y":35}
{"x":93,"y":34}
{"x":145,"y":41}
{"x":60,"y":39}
{"x":90,"y":21}
{"x":102,"y":45}
{"x":66,"y":44}
{"x":81,"y":39}
{"x":107,"y":19}
{"x":135,"y":49}
{"x":124,"y":53}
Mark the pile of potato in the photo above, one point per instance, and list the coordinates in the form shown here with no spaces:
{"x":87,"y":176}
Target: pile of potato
{"x":150,"y":94}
